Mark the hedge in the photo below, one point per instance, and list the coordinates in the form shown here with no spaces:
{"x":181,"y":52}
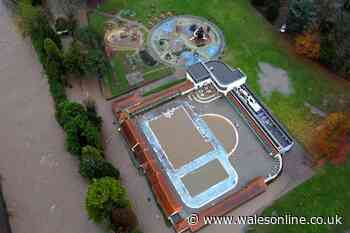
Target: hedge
{"x":81,"y":124}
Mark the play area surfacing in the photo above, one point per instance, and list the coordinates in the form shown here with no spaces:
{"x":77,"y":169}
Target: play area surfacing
{"x":185,"y":40}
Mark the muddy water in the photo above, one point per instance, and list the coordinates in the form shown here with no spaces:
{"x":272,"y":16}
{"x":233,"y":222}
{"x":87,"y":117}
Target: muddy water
{"x":205,"y":177}
{"x":43,"y":190}
{"x":179,"y":138}
{"x":223,"y":131}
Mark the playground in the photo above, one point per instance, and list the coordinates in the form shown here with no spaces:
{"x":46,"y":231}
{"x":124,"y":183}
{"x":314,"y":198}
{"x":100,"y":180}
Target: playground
{"x":185,"y":40}
{"x":140,"y":56}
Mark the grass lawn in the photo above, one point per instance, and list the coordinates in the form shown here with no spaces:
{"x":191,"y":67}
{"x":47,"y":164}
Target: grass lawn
{"x":96,"y":21}
{"x":158,"y":73}
{"x":250,"y":39}
{"x":163,"y":87}
{"x":115,"y":79}
{"x":111,"y":6}
{"x":323,"y":195}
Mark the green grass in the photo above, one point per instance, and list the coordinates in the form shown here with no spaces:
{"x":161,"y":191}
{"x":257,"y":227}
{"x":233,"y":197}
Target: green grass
{"x":163,"y":87}
{"x":159,"y":73}
{"x":115,"y":79}
{"x":326,"y":194}
{"x":111,"y":6}
{"x":118,"y":83}
{"x":97,"y":21}
{"x":250,"y":39}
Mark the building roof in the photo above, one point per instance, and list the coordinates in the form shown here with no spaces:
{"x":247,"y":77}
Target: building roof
{"x":218,"y":71}
{"x":223,"y":73}
{"x":198,"y":72}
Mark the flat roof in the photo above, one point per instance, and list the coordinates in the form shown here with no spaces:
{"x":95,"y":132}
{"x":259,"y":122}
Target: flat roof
{"x":223,"y":73}
{"x":198,"y":72}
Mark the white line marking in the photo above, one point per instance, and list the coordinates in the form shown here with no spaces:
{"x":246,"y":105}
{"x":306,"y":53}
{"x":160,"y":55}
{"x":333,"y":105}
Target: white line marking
{"x":232,"y":125}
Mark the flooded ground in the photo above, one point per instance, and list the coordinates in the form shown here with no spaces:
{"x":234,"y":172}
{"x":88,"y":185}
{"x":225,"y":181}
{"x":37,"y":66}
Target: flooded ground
{"x":179,"y":138}
{"x":194,"y":181}
{"x":41,"y":183}
{"x":273,"y":78}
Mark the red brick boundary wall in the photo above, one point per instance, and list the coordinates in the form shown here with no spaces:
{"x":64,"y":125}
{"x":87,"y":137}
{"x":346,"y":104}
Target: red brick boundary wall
{"x":134,"y":103}
{"x":253,"y":124}
{"x":164,"y":195}
{"x":123,"y":109}
{"x":254,"y":188}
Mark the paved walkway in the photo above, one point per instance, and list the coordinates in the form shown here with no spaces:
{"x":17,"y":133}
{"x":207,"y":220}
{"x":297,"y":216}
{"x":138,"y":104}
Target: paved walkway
{"x":41,"y":184}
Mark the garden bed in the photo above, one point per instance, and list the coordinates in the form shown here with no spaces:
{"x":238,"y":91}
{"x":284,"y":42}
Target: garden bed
{"x":123,"y":63}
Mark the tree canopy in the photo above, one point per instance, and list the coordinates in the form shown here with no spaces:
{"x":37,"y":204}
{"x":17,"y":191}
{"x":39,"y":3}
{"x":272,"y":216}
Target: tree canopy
{"x":102,"y":196}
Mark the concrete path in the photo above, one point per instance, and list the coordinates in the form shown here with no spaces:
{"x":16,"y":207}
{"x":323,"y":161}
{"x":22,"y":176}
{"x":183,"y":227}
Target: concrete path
{"x":42,"y":187}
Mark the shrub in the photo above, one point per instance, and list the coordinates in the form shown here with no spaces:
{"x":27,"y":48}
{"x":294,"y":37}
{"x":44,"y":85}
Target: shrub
{"x":272,"y":10}
{"x":92,"y":113}
{"x":67,"y":111}
{"x":35,"y":24}
{"x":80,"y":130}
{"x":57,"y":91}
{"x":95,"y":62}
{"x":333,"y":133}
{"x":301,"y":15}
{"x":40,"y":31}
{"x":74,"y":59}
{"x":28,"y":15}
{"x":36,"y":2}
{"x":90,"y":151}
{"x":308,"y":45}
{"x":88,"y":37}
{"x":258,"y":3}
{"x":269,"y":8}
{"x":72,"y":141}
{"x":103,"y":195}
{"x":81,"y":133}
{"x":61,"y":24}
{"x":124,"y":219}
{"x":54,"y":58}
{"x":94,"y":168}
